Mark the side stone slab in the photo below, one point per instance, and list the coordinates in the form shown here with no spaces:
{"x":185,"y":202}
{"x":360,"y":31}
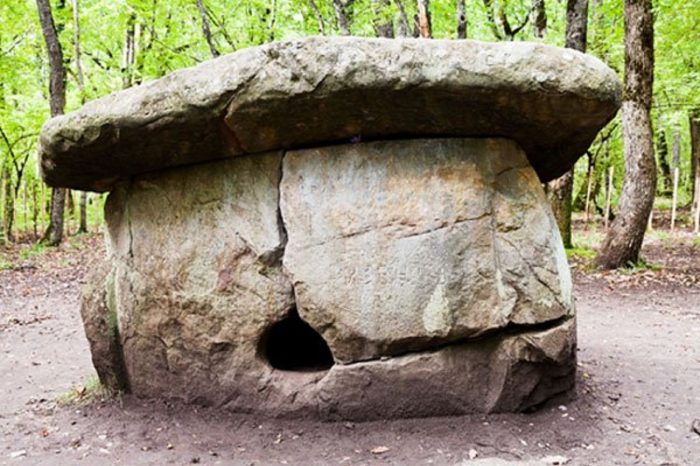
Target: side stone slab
{"x":405,"y":245}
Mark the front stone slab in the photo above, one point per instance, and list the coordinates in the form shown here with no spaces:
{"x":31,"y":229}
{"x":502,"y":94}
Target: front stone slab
{"x":407,"y":245}
{"x":371,"y":280}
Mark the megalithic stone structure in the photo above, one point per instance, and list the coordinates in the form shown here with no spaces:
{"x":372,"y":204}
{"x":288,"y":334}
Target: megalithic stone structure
{"x":342,"y":228}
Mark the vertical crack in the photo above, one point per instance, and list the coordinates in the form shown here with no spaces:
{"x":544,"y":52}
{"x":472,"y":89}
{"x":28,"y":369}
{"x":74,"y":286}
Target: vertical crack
{"x":274,"y":257}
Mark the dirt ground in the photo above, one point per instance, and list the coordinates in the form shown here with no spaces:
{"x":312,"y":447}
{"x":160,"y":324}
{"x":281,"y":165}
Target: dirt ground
{"x":637,"y":398}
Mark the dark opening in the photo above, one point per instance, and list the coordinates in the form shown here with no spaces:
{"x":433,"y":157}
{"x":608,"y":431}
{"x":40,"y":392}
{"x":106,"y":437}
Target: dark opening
{"x":293,"y":345}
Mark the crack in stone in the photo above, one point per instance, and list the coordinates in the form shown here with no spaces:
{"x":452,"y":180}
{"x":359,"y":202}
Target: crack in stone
{"x":539,"y":279}
{"x":371,"y":229}
{"x":510,"y":329}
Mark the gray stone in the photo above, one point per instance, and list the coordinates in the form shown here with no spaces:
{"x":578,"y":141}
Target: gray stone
{"x":312,"y":91}
{"x":401,"y":254}
{"x":197,"y":274}
{"x":99,"y":317}
{"x":407,"y":245}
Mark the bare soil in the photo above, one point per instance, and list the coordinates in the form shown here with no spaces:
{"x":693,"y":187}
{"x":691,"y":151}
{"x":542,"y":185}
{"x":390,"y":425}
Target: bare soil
{"x":637,"y":397}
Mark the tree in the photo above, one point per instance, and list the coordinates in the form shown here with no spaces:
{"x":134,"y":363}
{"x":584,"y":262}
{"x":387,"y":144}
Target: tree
{"x":694,"y":120}
{"x":82,"y":228}
{"x":539,"y":18}
{"x":625,"y":237}
{"x":341,"y":14}
{"x":560,"y":190}
{"x":206,"y":28}
{"x":57,"y":102}
{"x":383,"y":24}
{"x":425,"y":24}
{"x":319,"y":17}
{"x":499,"y":23}
{"x":461,"y":20}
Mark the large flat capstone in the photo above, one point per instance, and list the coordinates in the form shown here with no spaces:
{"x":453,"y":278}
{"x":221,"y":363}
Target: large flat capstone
{"x":314,"y":91}
{"x":429,"y":274}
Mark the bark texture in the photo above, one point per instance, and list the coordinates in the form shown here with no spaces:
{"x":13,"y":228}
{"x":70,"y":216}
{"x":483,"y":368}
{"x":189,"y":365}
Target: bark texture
{"x":539,"y":18}
{"x":695,"y":158}
{"x":425,"y":26}
{"x":662,"y":149}
{"x":560,"y":190}
{"x":57,"y":92}
{"x":206,"y":29}
{"x":624,"y":239}
{"x":319,"y":17}
{"x":461,"y":20}
{"x":342,"y":16}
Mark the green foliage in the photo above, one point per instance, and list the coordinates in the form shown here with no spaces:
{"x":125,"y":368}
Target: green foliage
{"x":168,"y":36}
{"x":639,"y":267}
{"x":92,"y":390}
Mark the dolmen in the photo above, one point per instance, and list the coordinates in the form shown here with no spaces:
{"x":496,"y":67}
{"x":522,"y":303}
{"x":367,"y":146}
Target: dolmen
{"x":339,"y":228}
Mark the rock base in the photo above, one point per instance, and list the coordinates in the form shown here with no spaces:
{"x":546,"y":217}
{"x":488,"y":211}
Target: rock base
{"x":362,"y":281}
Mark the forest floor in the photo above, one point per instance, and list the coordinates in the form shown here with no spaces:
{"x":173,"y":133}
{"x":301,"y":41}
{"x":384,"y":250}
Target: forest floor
{"x":636,"y":402}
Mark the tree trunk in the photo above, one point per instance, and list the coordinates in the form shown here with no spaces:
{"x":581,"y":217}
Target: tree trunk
{"x":539,"y":18}
{"x":81,"y":87}
{"x":662,"y":149}
{"x":461,"y":20}
{"x":341,"y":14}
{"x":9,"y":204}
{"x":57,"y":92}
{"x":319,"y":17}
{"x":560,"y":190}
{"x":383,"y":23}
{"x":129,"y":52}
{"x":625,"y":237}
{"x":425,"y":27}
{"x":83,"y":213}
{"x":206,"y":29}
{"x":695,"y":158}
{"x":403,"y":29}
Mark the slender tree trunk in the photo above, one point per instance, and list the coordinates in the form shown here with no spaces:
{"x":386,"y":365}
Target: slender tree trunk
{"x":82,"y":228}
{"x":577,"y":24}
{"x":206,"y":29}
{"x":35,"y":212}
{"x":57,"y":91}
{"x":695,"y":159}
{"x":341,"y":14}
{"x":383,"y":24}
{"x":461,"y":20}
{"x":9,"y":204}
{"x":129,"y":52}
{"x":539,"y":18}
{"x":81,"y":86}
{"x":624,"y":239}
{"x":403,"y":29}
{"x":560,"y":190}
{"x":662,"y":150}
{"x":319,"y":17}
{"x":425,"y":27}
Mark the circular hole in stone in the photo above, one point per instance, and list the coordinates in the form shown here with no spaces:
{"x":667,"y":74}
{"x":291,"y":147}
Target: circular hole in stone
{"x":293,"y":345}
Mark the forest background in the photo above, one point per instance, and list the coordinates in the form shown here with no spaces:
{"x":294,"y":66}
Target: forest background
{"x":110,"y":45}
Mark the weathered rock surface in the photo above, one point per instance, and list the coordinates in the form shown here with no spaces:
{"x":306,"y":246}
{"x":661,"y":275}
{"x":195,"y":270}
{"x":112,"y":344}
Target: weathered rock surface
{"x":313,"y":91}
{"x":99,"y":315}
{"x":432,"y":268}
{"x":405,"y":245}
{"x":197,"y":274}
